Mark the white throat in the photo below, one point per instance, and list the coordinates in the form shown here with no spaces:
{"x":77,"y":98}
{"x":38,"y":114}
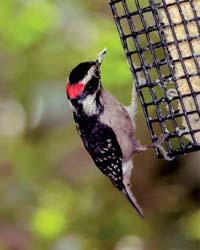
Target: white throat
{"x":90,"y":105}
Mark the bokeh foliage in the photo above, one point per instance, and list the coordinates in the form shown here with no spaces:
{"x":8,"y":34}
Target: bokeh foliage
{"x":52,"y":196}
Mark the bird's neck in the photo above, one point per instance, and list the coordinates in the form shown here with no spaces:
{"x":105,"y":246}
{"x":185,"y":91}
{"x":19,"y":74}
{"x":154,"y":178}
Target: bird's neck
{"x":90,"y":105}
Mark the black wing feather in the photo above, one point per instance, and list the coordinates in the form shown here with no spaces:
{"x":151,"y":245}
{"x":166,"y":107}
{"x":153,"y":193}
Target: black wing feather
{"x":101,"y":143}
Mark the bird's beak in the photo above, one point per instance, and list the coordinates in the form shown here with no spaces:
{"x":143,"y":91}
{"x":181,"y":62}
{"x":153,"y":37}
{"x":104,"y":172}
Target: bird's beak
{"x":101,"y":56}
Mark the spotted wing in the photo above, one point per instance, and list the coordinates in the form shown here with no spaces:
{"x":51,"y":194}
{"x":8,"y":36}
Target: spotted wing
{"x":104,"y":149}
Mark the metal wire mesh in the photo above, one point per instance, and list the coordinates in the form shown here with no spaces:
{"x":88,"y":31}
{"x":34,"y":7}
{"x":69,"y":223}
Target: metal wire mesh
{"x":160,"y":39}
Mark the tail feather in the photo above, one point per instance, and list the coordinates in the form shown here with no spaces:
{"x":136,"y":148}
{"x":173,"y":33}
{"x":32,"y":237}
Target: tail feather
{"x":132,"y":109}
{"x":129,"y":195}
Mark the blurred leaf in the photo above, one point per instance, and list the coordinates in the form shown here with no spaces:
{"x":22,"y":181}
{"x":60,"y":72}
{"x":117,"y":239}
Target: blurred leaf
{"x":48,"y":222}
{"x":192,"y":226}
{"x":25,"y":27}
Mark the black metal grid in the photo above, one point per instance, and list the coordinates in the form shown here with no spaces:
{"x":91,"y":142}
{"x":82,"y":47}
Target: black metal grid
{"x":141,"y":31}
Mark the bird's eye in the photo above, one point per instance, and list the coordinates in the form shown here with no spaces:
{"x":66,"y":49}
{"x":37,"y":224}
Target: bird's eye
{"x":92,"y":85}
{"x":89,"y":86}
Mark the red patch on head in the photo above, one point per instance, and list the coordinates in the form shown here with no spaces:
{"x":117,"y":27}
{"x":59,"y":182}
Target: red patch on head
{"x":74,"y":90}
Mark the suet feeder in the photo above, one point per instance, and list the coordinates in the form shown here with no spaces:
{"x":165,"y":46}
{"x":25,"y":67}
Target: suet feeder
{"x":161,"y":40}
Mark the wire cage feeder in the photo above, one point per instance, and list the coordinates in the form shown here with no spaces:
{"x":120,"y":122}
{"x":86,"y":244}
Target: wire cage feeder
{"x":161,"y":40}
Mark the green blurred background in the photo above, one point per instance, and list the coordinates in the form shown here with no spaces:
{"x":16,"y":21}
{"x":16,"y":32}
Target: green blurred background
{"x":52,"y":196}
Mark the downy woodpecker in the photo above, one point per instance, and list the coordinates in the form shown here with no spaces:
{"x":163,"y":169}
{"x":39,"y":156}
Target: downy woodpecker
{"x":106,"y":127}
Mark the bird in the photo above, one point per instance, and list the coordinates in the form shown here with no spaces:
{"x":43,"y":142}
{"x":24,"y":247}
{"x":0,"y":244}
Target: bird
{"x":106,"y":127}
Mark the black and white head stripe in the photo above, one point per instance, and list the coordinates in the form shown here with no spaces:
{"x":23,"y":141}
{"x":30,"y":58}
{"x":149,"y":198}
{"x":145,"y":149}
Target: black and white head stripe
{"x":80,"y":71}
